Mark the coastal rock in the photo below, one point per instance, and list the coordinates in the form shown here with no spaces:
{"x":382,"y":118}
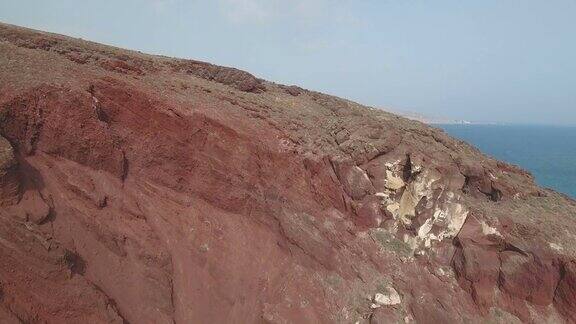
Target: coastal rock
{"x":140,"y":188}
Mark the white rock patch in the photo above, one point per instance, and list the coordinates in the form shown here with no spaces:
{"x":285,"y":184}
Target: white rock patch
{"x":445,"y":215}
{"x":450,"y":219}
{"x":417,"y":189}
{"x":387,"y":298}
{"x":393,"y":181}
{"x":556,"y":247}
{"x":456,"y":215}
{"x":488,"y":230}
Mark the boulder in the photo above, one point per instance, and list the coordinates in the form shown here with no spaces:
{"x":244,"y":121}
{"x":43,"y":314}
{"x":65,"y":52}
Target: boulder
{"x":529,"y":277}
{"x":478,"y":269}
{"x":354,"y":180}
{"x":388,"y":297}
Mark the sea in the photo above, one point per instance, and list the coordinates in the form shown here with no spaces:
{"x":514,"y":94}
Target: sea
{"x":548,"y":152}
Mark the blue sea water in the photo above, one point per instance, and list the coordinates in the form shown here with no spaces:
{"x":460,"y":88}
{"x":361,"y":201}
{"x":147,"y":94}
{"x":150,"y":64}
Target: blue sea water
{"x":548,"y":152}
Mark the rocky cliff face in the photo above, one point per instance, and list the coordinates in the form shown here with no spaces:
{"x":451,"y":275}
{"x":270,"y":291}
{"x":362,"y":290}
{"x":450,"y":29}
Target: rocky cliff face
{"x":145,"y":189}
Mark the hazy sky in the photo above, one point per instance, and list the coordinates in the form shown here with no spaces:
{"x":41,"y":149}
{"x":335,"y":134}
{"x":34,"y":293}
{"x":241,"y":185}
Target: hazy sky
{"x":488,"y":60}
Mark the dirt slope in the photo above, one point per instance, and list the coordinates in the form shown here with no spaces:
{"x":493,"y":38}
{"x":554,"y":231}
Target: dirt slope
{"x":145,"y":189}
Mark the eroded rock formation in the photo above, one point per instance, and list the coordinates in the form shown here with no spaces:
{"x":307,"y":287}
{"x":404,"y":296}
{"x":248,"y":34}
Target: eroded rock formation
{"x":145,"y":189}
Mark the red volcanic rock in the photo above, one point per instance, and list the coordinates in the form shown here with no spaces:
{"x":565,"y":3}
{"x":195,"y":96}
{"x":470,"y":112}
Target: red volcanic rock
{"x":144,"y":189}
{"x":478,"y":269}
{"x":385,"y":316}
{"x":565,"y":293}
{"x":238,"y":79}
{"x":369,"y":211}
{"x":529,"y":277}
{"x":121,"y":67}
{"x":498,"y":273}
{"x":37,"y":284}
{"x":354,"y":180}
{"x":429,"y":309}
{"x":33,"y":208}
{"x":293,"y":90}
{"x":9,"y":175}
{"x":60,"y":122}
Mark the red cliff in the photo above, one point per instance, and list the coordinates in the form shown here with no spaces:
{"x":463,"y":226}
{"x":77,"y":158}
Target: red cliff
{"x":144,"y":189}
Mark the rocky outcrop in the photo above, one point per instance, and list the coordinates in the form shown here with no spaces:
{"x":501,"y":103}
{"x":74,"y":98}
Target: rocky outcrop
{"x":145,"y":189}
{"x":238,"y":79}
{"x":565,"y":293}
{"x":496,"y":272}
{"x":60,"y":122}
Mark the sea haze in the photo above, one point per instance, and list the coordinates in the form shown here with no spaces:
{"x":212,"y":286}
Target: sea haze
{"x":548,"y":152}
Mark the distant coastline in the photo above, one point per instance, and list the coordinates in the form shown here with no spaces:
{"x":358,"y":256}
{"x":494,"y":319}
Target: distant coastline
{"x":548,"y":152}
{"x":427,"y":119}
{"x":550,"y":157}
{"x":439,"y":121}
